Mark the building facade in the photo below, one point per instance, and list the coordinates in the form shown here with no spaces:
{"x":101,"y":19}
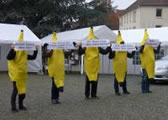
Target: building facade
{"x":145,"y":14}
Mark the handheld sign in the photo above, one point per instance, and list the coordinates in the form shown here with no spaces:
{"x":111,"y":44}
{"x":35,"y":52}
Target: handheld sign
{"x":96,"y":43}
{"x":24,"y":46}
{"x":123,"y":47}
{"x":153,"y":42}
{"x":61,"y":45}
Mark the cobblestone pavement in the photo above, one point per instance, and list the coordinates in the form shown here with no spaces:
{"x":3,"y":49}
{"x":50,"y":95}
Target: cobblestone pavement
{"x":136,"y":106}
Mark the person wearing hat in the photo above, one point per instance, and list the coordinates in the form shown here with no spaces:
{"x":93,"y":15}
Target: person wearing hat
{"x":147,"y":57}
{"x":56,"y":70}
{"x":120,"y":66}
{"x":92,"y":66}
{"x":17,"y":70}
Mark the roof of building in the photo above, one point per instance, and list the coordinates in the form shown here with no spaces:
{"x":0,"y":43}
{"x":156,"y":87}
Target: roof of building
{"x":138,"y":3}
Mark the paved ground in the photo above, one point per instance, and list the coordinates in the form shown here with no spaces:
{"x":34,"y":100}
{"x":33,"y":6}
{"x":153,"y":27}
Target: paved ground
{"x":136,"y":106}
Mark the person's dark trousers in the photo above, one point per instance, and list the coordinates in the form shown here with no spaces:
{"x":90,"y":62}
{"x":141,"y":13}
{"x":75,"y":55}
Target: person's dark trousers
{"x":54,"y":91}
{"x":21,"y":99}
{"x":93,"y":85}
{"x":14,"y":95}
{"x":124,"y":85}
{"x":145,"y":81}
{"x":116,"y":87}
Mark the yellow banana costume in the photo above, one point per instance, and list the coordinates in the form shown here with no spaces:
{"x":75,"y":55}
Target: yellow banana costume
{"x":17,"y":68}
{"x":147,"y":57}
{"x":56,"y":65}
{"x":92,"y":60}
{"x":120,"y":62}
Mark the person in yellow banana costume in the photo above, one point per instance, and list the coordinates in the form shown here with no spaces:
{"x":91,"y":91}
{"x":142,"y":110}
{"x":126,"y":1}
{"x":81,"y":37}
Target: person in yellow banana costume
{"x":17,"y":70}
{"x":147,"y":56}
{"x":56,"y":71}
{"x":120,"y":66}
{"x":92,"y":66}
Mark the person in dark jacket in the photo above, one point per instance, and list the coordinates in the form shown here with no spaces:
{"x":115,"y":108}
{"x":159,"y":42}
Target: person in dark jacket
{"x":147,"y":56}
{"x":17,"y":69}
{"x":120,"y":66}
{"x":92,"y":66}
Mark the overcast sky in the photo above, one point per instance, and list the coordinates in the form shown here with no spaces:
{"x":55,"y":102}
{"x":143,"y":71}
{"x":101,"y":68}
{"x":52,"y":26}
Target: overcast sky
{"x":122,"y":4}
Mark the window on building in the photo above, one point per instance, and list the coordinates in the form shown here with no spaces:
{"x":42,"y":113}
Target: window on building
{"x":158,"y":12}
{"x":158,"y":26}
{"x":134,"y":16}
{"x":134,"y":27}
{"x":127,"y":17}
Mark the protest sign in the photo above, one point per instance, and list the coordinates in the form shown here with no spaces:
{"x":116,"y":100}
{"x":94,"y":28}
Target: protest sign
{"x":61,"y":45}
{"x":123,"y":47}
{"x":96,"y":43}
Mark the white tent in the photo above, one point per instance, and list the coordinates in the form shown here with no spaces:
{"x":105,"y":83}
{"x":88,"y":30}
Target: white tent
{"x":9,"y":33}
{"x":136,"y":35}
{"x":101,"y":32}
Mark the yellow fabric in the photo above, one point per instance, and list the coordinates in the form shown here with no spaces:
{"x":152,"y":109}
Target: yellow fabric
{"x":92,"y":60}
{"x":21,"y":36}
{"x":92,"y":63}
{"x":146,"y":36}
{"x":56,"y":65}
{"x":148,"y":57}
{"x":119,"y":38}
{"x":54,"y":37}
{"x":91,"y":34}
{"x":120,"y":62}
{"x":17,"y":68}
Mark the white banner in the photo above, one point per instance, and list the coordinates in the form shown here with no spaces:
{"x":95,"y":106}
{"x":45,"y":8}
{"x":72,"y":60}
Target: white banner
{"x":61,"y":45}
{"x":153,"y":42}
{"x":123,"y":47}
{"x":24,"y":46}
{"x":96,"y":43}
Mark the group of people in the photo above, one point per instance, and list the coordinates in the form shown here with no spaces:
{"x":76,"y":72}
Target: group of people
{"x":17,"y":68}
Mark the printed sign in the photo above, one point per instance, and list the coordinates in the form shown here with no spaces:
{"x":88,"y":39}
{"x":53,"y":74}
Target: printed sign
{"x":61,"y":45}
{"x":24,"y":46}
{"x":123,"y":47}
{"x":96,"y":43}
{"x":153,"y":42}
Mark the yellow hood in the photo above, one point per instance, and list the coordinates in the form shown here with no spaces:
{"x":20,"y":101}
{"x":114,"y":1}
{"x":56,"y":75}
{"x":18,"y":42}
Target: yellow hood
{"x":17,"y":68}
{"x":119,"y":38}
{"x":92,"y":60}
{"x":56,"y":65}
{"x":120,"y":61}
{"x":91,"y":34}
{"x":146,"y":36}
{"x":147,"y":57}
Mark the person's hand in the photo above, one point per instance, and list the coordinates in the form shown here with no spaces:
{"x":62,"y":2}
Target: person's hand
{"x":12,"y":46}
{"x":74,"y":43}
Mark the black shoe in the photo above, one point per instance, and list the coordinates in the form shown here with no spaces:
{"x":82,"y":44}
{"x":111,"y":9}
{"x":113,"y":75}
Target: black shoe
{"x":149,"y":91}
{"x":117,"y":93}
{"x":86,"y":98}
{"x":23,"y":108}
{"x":95,"y":97}
{"x":127,"y":92}
{"x":14,"y":110}
{"x":56,"y":101}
